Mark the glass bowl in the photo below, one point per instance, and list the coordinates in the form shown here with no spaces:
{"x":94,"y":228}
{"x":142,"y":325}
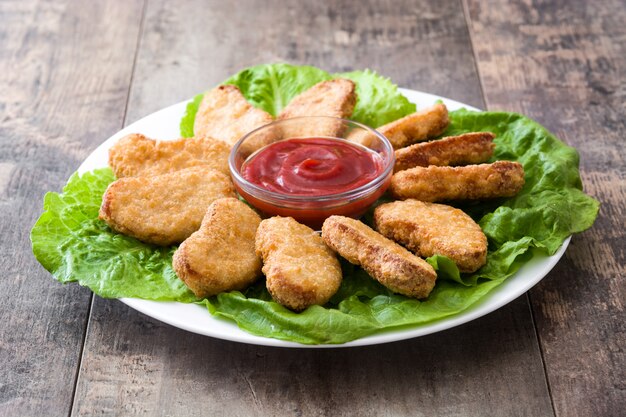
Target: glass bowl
{"x":312,"y":210}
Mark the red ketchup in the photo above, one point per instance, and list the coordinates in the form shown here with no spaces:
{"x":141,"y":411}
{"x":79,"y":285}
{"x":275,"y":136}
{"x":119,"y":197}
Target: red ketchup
{"x":315,"y":167}
{"x":312,"y":166}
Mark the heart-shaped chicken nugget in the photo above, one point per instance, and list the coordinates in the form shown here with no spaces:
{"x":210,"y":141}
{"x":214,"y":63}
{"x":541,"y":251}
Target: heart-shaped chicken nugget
{"x":220,"y":256}
{"x":300,"y":269}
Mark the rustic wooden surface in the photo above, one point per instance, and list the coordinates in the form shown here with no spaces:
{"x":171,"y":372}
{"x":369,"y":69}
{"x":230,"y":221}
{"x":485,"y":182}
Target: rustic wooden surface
{"x":64,"y":87}
{"x":75,"y":72}
{"x":565,"y":66}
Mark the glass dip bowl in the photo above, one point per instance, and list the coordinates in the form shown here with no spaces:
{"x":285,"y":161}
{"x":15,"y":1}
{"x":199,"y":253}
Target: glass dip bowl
{"x":327,"y":148}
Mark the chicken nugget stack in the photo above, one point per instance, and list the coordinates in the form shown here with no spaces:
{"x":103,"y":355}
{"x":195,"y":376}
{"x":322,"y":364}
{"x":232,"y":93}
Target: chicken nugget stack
{"x":171,"y":192}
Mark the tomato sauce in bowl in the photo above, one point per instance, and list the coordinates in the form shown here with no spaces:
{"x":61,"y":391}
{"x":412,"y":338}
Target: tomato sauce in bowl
{"x":313,"y":177}
{"x":312,"y":166}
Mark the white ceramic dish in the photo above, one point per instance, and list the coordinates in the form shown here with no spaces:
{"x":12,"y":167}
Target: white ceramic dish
{"x":164,"y":124}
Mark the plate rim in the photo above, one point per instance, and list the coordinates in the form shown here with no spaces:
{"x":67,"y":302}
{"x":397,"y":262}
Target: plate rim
{"x":539,"y":266}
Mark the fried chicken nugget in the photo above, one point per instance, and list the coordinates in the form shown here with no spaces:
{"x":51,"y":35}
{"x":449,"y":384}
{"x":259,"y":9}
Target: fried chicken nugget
{"x":136,"y":155}
{"x":386,"y":261}
{"x":335,"y":98}
{"x":422,"y":125}
{"x":469,"y":148}
{"x":163,"y":209}
{"x":471,"y":182}
{"x":300,"y":269}
{"x":225,"y":114}
{"x":220,"y":256}
{"x":430,"y":229}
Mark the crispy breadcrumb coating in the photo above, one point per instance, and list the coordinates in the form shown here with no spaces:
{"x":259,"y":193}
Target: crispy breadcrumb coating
{"x":334,"y":98}
{"x":430,"y":229}
{"x":386,"y":261}
{"x":225,"y":114}
{"x":163,"y":209}
{"x":220,"y":256}
{"x":471,"y":182}
{"x":135,"y":155}
{"x":422,"y":125}
{"x":469,"y":148}
{"x":300,"y":269}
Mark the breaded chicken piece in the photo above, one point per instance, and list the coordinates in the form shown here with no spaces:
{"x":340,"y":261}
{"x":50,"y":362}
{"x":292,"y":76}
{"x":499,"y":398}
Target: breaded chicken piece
{"x":334,"y":98}
{"x":362,"y":137}
{"x":163,"y":209}
{"x":225,"y":114}
{"x":469,"y":148}
{"x":430,"y":229}
{"x":386,"y":261}
{"x":136,"y":155}
{"x":300,"y":269}
{"x":471,"y":182}
{"x":220,"y":256}
{"x":417,"y":127}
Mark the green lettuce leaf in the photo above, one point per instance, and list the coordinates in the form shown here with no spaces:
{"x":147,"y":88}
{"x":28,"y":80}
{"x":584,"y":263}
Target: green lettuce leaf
{"x":552,"y":205}
{"x":364,"y":307}
{"x":272,"y":86}
{"x":187,"y":122}
{"x":74,"y":245}
{"x":378,"y":99}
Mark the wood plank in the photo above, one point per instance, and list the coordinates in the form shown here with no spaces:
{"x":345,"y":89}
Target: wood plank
{"x":134,"y":365}
{"x":64,"y":86}
{"x":189,"y":48}
{"x":565,"y":66}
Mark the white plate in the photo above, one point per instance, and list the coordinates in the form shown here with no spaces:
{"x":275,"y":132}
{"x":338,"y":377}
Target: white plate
{"x":164,"y":124}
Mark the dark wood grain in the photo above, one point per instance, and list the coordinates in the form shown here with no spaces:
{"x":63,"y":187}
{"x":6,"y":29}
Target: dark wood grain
{"x":134,"y":365}
{"x":564,"y":64}
{"x":63,"y":90}
{"x":189,"y":48}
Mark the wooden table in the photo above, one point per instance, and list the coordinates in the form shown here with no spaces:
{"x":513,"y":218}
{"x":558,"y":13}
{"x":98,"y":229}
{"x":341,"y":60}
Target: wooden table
{"x":75,"y":72}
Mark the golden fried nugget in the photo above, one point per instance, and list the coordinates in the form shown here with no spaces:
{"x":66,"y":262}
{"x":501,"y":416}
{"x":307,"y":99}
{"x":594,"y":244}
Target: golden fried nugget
{"x":471,"y":182}
{"x":300,"y":269}
{"x":430,"y":229}
{"x":220,"y":256}
{"x":136,"y":155}
{"x":225,"y":114}
{"x":163,"y":209}
{"x":425,"y":124}
{"x":469,"y":148}
{"x":362,"y":137}
{"x":386,"y":261}
{"x":335,"y":98}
